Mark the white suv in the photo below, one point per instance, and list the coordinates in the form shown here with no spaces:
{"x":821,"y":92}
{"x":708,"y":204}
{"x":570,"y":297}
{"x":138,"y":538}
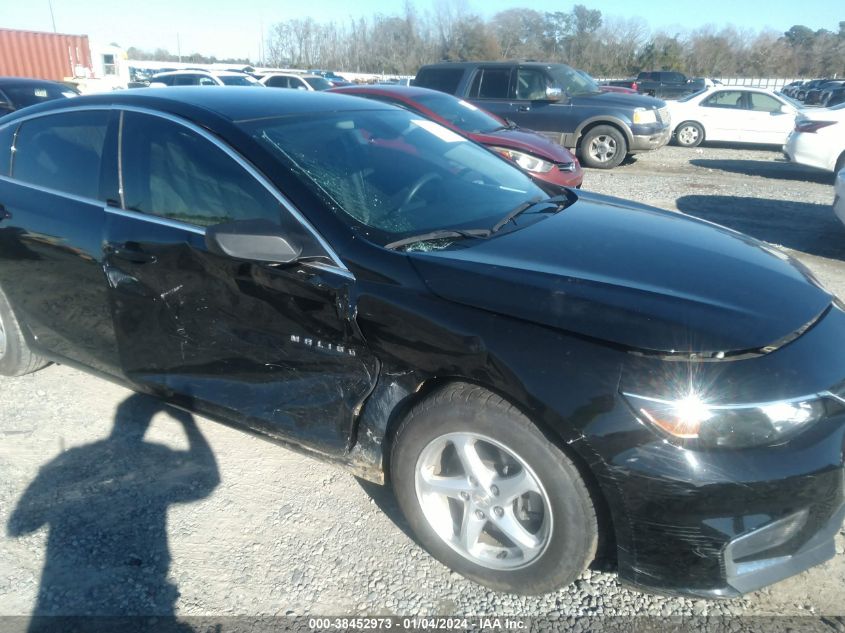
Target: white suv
{"x":203,"y":78}
{"x":297,"y":82}
{"x":818,"y":139}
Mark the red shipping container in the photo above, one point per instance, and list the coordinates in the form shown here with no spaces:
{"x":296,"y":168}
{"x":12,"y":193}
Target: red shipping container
{"x":42,"y":55}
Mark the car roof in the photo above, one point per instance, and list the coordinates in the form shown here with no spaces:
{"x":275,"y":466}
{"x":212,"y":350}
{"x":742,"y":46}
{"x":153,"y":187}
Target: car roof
{"x":235,"y":103}
{"x":300,"y":75}
{"x":506,"y":64}
{"x":409,"y":92}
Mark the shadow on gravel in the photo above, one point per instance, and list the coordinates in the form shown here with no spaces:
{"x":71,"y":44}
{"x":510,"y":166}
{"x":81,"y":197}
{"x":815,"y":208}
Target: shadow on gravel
{"x":802,"y":226}
{"x":384,"y":498}
{"x":777,"y":169}
{"x":105,"y":505}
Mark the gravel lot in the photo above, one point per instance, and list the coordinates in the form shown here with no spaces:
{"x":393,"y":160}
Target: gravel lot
{"x":282,"y":534}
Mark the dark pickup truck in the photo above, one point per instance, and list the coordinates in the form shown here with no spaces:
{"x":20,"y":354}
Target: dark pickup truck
{"x":660,"y":84}
{"x":560,"y":103}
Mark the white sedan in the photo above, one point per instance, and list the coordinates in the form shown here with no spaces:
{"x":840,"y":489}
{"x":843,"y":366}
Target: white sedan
{"x":733,"y":114}
{"x":819,"y":139}
{"x":839,"y":199}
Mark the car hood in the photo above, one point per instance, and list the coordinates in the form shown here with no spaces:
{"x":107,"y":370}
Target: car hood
{"x":619,"y":100}
{"x":635,"y":276}
{"x":527,"y":141}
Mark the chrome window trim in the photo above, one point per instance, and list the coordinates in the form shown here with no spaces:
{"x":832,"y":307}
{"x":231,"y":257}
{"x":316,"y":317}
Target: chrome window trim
{"x":155,"y":219}
{"x":338,"y":267}
{"x":55,"y":192}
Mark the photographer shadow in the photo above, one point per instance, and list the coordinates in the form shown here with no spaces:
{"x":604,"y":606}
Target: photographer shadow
{"x":105,"y":505}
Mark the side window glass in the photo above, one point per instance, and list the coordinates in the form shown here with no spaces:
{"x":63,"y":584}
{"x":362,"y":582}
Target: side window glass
{"x":278,"y":82}
{"x":62,"y":152}
{"x":442,"y":79}
{"x":763,"y":103}
{"x":172,"y":172}
{"x":6,"y":135}
{"x":494,"y":83}
{"x":530,"y":84}
{"x":207,"y":81}
{"x":724,"y":99}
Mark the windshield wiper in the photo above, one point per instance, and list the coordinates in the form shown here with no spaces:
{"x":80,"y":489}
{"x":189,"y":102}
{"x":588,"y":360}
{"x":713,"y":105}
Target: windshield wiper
{"x":557,"y":202}
{"x":439,"y":235}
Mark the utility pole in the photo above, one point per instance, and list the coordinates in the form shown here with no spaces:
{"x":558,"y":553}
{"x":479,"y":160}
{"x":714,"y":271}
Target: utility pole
{"x":52,"y":17}
{"x":178,"y":47}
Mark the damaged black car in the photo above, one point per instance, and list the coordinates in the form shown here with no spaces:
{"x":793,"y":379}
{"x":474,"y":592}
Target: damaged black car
{"x":544,"y":376}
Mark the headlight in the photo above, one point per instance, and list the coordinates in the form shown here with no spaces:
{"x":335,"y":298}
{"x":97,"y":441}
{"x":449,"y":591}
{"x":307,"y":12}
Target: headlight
{"x":728,"y":426}
{"x":526,"y":161}
{"x":641,"y":115}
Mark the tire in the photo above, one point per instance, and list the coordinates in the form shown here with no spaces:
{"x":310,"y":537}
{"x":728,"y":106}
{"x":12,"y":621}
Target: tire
{"x":555,"y":528}
{"x":689,"y":134}
{"x":603,"y":147}
{"x":16,"y":359}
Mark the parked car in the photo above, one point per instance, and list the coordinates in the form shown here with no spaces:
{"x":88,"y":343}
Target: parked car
{"x":297,"y":82}
{"x":18,"y":92}
{"x":560,"y":103}
{"x":660,"y":84}
{"x":801,"y":93}
{"x":332,"y":77}
{"x":732,"y":114}
{"x":200,"y":77}
{"x":604,"y":87}
{"x":833,"y":97}
{"x":839,"y":197}
{"x":791,"y":88}
{"x":537,"y":373}
{"x":532,"y":152}
{"x":818,"y":139}
{"x":815,"y":95}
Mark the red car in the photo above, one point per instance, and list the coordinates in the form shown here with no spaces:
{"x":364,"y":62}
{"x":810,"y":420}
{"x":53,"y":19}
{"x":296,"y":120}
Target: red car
{"x":534,"y":153}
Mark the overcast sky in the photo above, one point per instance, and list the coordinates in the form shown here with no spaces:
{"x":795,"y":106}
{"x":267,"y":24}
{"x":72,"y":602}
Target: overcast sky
{"x":233,"y":28}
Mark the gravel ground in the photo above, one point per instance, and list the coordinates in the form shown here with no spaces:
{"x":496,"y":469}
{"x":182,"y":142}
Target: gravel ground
{"x":281,"y":534}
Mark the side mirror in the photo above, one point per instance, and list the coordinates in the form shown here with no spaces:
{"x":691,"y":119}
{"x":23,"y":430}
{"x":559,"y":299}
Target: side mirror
{"x":553,"y":94}
{"x":301,"y":88}
{"x":252,"y":240}
{"x":785,"y":109}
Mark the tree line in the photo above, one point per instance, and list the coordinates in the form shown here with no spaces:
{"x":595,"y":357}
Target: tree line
{"x":580,"y":37}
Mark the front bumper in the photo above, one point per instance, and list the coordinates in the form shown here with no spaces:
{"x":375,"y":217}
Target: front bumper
{"x":651,"y":140}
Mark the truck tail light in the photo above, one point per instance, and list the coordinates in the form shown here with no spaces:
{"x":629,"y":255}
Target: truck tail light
{"x":634,"y":86}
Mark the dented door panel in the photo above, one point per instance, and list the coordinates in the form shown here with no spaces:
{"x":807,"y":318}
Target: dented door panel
{"x":270,"y":347}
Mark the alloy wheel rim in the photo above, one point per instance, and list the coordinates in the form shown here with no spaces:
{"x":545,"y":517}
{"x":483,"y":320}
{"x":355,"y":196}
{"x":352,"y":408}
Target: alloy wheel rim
{"x":688,"y":134}
{"x":483,"y":500}
{"x":603,"y":148}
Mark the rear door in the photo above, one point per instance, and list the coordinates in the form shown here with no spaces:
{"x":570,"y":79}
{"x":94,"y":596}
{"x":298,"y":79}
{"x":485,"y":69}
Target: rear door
{"x":490,"y":88}
{"x":272,"y":347}
{"x":53,"y":196}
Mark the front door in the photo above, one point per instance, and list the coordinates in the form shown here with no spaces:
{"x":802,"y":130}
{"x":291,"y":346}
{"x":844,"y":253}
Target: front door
{"x":765,"y":120}
{"x":271,"y":347}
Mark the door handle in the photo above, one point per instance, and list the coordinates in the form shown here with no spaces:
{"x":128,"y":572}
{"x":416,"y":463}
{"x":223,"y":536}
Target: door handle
{"x":4,"y":215}
{"x":131,"y":254}
{"x":524,"y":108}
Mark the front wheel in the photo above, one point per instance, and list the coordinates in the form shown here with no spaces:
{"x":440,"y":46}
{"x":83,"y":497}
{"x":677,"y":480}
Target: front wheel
{"x":689,"y":134}
{"x":603,"y":147}
{"x":489,"y":496}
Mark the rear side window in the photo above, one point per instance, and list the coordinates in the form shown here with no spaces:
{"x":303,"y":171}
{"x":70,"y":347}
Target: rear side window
{"x":491,"y":83}
{"x":724,"y":99}
{"x":442,"y":79}
{"x":186,"y":80}
{"x":278,"y":82}
{"x":172,"y":172}
{"x":62,"y":152}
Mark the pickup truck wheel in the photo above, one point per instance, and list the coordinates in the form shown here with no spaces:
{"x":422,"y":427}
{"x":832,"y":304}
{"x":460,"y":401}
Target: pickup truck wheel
{"x":16,"y":359}
{"x":489,"y":496}
{"x":603,"y":147}
{"x":689,"y":134}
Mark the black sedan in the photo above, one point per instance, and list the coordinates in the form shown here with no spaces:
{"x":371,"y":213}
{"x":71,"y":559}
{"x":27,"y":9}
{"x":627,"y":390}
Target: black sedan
{"x":539,"y":372}
{"x":18,"y":92}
